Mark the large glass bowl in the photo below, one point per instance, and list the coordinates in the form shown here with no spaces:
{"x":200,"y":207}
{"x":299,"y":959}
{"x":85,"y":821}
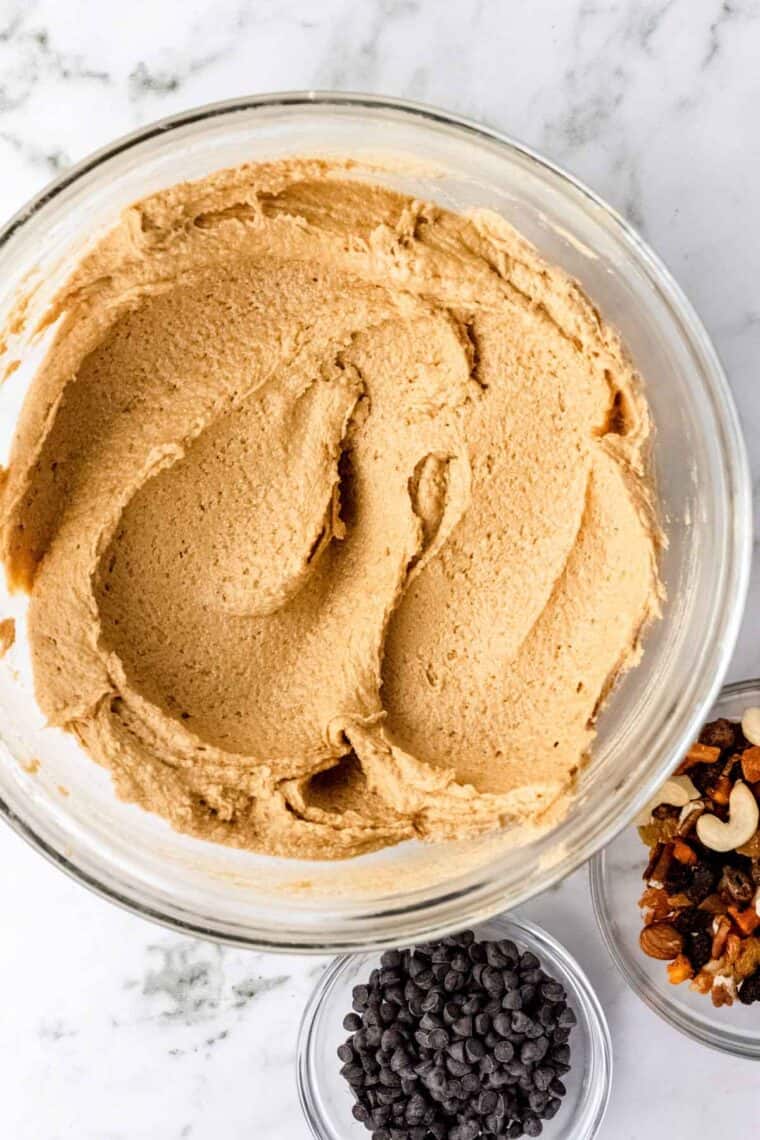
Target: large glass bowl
{"x":58,"y":799}
{"x":326,"y":1098}
{"x":616,"y":886}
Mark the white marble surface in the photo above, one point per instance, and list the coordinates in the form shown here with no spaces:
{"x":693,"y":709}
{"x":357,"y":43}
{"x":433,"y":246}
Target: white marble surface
{"x":111,"y":1029}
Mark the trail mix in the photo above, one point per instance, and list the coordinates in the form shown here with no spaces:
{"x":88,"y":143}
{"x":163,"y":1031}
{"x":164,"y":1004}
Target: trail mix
{"x":701,"y":905}
{"x":457,"y":1040}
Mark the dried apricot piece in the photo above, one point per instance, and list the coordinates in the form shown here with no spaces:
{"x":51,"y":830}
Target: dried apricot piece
{"x":680,"y":970}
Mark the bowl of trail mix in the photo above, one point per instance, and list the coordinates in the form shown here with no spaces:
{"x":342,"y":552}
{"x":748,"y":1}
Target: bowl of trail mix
{"x":677,"y":894}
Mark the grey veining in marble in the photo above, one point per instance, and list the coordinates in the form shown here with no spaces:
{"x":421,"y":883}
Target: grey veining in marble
{"x":113,"y":1029}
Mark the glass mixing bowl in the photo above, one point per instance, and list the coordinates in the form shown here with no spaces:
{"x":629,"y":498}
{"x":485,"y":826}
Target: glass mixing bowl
{"x":616,"y":887}
{"x":326,"y":1098}
{"x":64,"y":804}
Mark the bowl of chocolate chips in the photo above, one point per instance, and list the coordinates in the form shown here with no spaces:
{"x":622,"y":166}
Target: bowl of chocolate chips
{"x":492,"y":1032}
{"x":677,"y":895}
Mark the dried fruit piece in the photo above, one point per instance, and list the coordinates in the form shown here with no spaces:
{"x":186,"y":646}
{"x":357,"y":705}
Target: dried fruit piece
{"x":719,"y":733}
{"x":655,"y":904}
{"x":740,"y":826}
{"x":658,"y":831}
{"x":699,"y":754}
{"x":661,"y":940}
{"x":737,"y":884}
{"x":723,"y":990}
{"x":683,"y":853}
{"x":721,"y":931}
{"x":702,"y":983}
{"x":680,"y":970}
{"x":747,"y":920}
{"x":721,"y":791}
{"x":699,"y":949}
{"x":751,"y":725}
{"x":751,"y":764}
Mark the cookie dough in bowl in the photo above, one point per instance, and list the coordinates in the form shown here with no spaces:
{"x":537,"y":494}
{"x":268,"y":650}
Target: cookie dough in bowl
{"x":333,"y":509}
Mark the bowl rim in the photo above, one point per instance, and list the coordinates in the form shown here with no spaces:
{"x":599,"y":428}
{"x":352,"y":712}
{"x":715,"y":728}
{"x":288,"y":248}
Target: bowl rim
{"x":594,"y":1102}
{"x":465,"y":902}
{"x":664,"y":1004}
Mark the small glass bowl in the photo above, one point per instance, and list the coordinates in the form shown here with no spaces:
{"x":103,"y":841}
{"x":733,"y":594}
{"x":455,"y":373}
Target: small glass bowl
{"x":616,"y":886}
{"x":326,"y":1099}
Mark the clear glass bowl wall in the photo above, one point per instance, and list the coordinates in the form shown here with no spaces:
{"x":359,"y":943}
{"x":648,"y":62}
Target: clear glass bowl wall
{"x":413,"y":890}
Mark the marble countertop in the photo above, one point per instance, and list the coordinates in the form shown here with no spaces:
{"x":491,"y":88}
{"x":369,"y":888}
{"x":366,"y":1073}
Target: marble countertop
{"x":113,"y":1029}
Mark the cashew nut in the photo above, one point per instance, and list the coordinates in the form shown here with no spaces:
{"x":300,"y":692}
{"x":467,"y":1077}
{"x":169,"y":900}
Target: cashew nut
{"x":751,"y":725}
{"x":676,"y":792}
{"x":741,"y":825}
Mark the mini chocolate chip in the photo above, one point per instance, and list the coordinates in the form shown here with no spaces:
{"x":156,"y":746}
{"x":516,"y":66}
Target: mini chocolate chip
{"x":534,"y":977}
{"x":504,"y":1051}
{"x":553,"y":991}
{"x":391,"y":1039}
{"x":566,"y":1017}
{"x":345,"y":1052}
{"x":462,"y":1027}
{"x":452,"y":981}
{"x":538,"y":1100}
{"x":543,"y":1076}
{"x":552,"y":1108}
{"x":528,"y":994}
{"x":512,"y":1000}
{"x":486,"y":1102}
{"x":531,"y":1124}
{"x":503,"y":1024}
{"x":561,"y":1053}
{"x":352,"y":1022}
{"x":360,"y":995}
{"x":432,"y":1001}
{"x":438,"y":1039}
{"x":451,"y":1012}
{"x":557,"y":1087}
{"x":474,"y":1050}
{"x":533,"y":1051}
{"x":520,"y":1022}
{"x":472,"y":1005}
{"x":492,"y":981}
{"x":482,"y":1023}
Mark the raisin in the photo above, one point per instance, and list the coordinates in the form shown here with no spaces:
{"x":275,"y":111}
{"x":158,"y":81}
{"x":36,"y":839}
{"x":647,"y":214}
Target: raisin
{"x":700,"y":881}
{"x":666,"y":811}
{"x":691,"y":920}
{"x":737,"y":884}
{"x":678,"y":879}
{"x":699,"y":949}
{"x":705,"y":776}
{"x":749,"y":991}
{"x":719,"y":733}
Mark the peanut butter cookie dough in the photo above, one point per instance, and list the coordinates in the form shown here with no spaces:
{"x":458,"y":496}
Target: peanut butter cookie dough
{"x":332,"y":510}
